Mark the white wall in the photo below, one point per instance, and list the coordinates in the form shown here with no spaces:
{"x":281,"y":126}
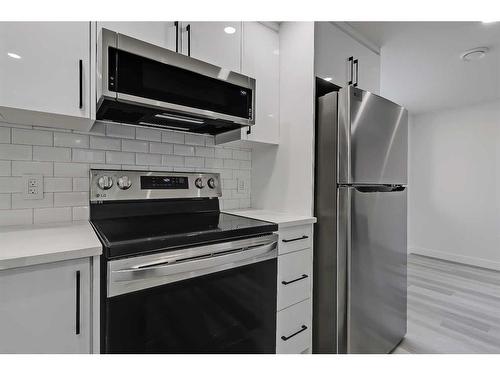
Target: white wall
{"x":454,"y":185}
{"x":64,"y":157}
{"x":282,"y":177}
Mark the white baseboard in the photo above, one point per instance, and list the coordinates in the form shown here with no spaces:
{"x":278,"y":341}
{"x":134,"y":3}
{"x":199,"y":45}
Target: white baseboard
{"x":471,"y":261}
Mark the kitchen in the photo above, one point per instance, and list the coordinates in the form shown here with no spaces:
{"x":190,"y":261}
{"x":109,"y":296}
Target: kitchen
{"x":193,"y":217}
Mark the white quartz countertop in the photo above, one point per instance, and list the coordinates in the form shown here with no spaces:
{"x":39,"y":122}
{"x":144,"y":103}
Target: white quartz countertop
{"x":283,"y":219}
{"x":35,"y":244}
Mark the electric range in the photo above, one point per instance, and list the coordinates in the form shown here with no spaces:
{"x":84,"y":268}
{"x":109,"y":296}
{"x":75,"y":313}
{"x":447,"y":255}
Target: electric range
{"x":177,"y":275}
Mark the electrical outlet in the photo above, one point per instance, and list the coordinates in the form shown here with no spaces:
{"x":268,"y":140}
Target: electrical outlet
{"x":241,"y":185}
{"x":33,"y":186}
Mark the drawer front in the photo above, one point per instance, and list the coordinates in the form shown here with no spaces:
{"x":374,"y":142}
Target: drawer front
{"x":294,"y":277}
{"x":294,"y":329}
{"x":295,"y":238}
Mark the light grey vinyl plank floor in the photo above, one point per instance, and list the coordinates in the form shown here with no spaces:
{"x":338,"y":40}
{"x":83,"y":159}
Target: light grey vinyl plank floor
{"x":452,"y":308}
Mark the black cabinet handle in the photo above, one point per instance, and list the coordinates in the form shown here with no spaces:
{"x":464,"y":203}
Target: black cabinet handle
{"x":302,"y":329}
{"x":304,"y":276}
{"x":77,"y":302}
{"x":80,"y":79}
{"x":188,"y":29}
{"x":296,"y":239}
{"x":176,"y":24}
{"x":357,"y":74}
{"x":351,"y":63}
{"x":249,"y":130}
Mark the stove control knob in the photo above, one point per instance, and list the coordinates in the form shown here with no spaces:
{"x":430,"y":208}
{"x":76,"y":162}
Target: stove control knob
{"x":212,"y":183}
{"x":105,"y":182}
{"x":199,"y":183}
{"x":124,"y":182}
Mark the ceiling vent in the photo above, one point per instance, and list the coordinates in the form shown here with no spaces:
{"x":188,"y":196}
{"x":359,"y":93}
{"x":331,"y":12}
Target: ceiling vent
{"x":474,"y":54}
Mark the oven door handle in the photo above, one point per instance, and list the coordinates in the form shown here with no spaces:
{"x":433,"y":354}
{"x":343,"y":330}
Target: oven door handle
{"x":197,"y":266}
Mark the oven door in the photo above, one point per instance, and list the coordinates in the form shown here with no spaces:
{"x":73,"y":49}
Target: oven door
{"x":212,"y":299}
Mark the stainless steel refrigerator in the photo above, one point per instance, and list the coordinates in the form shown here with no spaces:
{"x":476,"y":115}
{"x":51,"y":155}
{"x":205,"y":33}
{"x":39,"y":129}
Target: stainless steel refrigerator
{"x":360,"y":237}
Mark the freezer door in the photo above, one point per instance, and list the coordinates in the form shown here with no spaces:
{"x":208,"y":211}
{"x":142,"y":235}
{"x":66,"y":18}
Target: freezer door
{"x":372,"y":310}
{"x":373,"y":139}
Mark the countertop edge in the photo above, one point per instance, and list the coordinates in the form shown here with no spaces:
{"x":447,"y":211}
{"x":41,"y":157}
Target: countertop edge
{"x":283,"y":219}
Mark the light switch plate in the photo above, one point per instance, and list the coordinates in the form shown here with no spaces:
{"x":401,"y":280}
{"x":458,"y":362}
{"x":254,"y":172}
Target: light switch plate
{"x":33,"y":186}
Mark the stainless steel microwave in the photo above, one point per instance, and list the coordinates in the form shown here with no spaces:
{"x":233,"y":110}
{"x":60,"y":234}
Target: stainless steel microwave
{"x":143,"y":84}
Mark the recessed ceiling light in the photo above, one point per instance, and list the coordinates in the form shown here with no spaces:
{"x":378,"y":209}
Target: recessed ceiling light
{"x":328,"y":79}
{"x":474,"y":54}
{"x":229,"y":30}
{"x":13,"y":55}
{"x":488,"y":21}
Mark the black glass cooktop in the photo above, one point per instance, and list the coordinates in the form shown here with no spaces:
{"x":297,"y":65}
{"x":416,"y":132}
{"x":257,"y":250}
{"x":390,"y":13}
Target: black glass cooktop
{"x":127,"y":236}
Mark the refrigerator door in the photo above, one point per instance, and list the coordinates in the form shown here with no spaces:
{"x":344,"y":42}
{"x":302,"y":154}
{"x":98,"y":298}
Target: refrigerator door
{"x":372,"y":258}
{"x":373,"y":139}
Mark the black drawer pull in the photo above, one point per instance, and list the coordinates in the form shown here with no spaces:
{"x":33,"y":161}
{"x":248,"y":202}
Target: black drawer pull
{"x":296,"y":239}
{"x":302,"y":329}
{"x":77,"y":302}
{"x":304,"y":276}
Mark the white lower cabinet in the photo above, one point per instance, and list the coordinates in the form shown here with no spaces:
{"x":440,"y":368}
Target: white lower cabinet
{"x":294,"y":300}
{"x":46,"y":308}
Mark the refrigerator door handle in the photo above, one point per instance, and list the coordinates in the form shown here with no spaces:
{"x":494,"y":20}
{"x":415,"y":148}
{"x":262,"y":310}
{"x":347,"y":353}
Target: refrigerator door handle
{"x":380,"y":188}
{"x":343,"y":264}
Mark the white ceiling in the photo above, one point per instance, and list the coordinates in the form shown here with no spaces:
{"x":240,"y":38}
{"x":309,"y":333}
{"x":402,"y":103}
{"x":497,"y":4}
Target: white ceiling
{"x":421,"y":66}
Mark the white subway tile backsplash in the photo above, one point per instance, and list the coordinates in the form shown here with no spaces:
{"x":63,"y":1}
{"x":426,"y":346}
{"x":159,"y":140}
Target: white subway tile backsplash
{"x":20,"y":168}
{"x":65,"y":159}
{"x":115,"y":157}
{"x":105,"y":143}
{"x":57,"y":184}
{"x":32,"y":137}
{"x":71,"y":140}
{"x":172,"y":137}
{"x":18,"y":201}
{"x":245,"y":164}
{"x":161,"y":148}
{"x":88,"y":156}
{"x":120,"y":131}
{"x":148,"y":159}
{"x":4,"y":135}
{"x":44,"y":153}
{"x":183,"y":150}
{"x":5,"y":169}
{"x":214,"y":163}
{"x":5,"y":200}
{"x":223,"y":153}
{"x":207,"y":152}
{"x":71,"y":170}
{"x":134,"y":146}
{"x":194,"y":139}
{"x":173,"y":161}
{"x":230,"y":204}
{"x":80,"y":184}
{"x":194,"y":162}
{"x":81,"y":213}
{"x":11,"y":184}
{"x":15,"y":152}
{"x":16,"y":217}
{"x":52,"y":215}
{"x":76,"y":198}
{"x":148,"y":134}
{"x":231,"y":164}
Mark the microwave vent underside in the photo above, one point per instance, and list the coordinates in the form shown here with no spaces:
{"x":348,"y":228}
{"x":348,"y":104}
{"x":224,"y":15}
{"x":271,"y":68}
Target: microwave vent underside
{"x":112,"y":110}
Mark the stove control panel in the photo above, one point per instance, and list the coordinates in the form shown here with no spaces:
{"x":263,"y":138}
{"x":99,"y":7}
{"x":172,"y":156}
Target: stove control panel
{"x":111,"y":185}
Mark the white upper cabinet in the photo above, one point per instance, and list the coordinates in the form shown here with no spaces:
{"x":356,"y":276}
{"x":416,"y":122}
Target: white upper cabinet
{"x":46,"y":308}
{"x":159,"y":33}
{"x":218,"y":43}
{"x":45,"y":67}
{"x":260,"y":60}
{"x":333,"y":48}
